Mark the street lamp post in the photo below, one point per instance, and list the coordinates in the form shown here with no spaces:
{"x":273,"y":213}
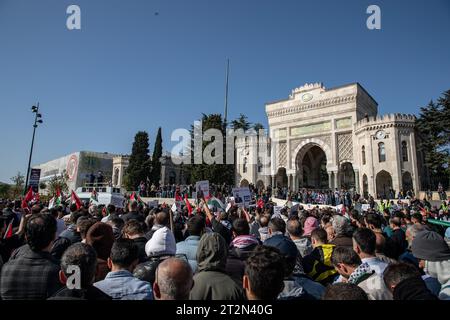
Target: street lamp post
{"x":37,"y":119}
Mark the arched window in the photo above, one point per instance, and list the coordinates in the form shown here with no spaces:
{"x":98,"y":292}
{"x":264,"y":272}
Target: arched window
{"x":363,"y":154}
{"x":404,"y":151}
{"x":244,"y":167}
{"x":381,"y":152}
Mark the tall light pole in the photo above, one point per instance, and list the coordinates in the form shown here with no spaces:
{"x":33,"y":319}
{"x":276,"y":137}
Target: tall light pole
{"x":37,"y":120}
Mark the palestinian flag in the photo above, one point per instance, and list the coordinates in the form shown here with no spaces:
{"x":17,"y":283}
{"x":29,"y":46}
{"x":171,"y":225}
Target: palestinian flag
{"x":9,"y":231}
{"x":74,"y":199}
{"x":28,"y":198}
{"x":188,"y":204}
{"x":216,"y":203}
{"x":56,"y":200}
{"x":94,"y":197}
{"x":178,"y":197}
{"x":260,"y":203}
{"x":137,"y":198}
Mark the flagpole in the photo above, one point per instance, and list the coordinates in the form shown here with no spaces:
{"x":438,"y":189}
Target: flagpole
{"x":225,"y":114}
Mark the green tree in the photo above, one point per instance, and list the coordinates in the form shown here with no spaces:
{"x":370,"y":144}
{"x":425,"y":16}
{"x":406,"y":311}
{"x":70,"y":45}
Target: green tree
{"x":19,"y":181}
{"x":258,"y":126}
{"x":434,"y":131}
{"x":241,"y":123}
{"x":139,"y":168}
{"x":58,"y":182}
{"x":156,"y":164}
{"x":215,"y":173}
{"x":5,"y":190}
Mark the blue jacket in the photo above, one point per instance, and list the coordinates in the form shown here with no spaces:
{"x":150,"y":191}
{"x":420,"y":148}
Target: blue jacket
{"x":121,"y":285}
{"x":189,"y":247}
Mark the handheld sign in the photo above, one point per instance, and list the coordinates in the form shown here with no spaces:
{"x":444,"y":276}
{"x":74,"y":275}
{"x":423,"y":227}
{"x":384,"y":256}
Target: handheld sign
{"x":242,"y":196}
{"x":202,"y":189}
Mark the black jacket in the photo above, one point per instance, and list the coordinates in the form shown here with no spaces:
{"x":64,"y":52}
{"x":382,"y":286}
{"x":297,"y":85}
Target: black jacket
{"x":29,"y":276}
{"x":413,"y":289}
{"x":140,"y":242}
{"x":133,"y":216}
{"x":91,"y":293}
{"x":235,"y":266}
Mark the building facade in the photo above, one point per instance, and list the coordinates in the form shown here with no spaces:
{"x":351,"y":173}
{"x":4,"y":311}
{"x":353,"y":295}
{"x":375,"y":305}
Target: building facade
{"x":78,"y":166}
{"x":333,"y":138}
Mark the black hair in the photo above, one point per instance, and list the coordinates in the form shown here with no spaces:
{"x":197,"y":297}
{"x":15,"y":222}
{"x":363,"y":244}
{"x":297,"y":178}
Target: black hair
{"x":418,"y":217}
{"x":265,"y":271}
{"x":366,"y":240}
{"x":83,"y":226}
{"x":375,"y":220}
{"x":111,"y":208}
{"x":277,"y":224}
{"x":196,"y":225}
{"x":40,"y":231}
{"x":83,"y":256}
{"x":124,"y":252}
{"x":241,"y":227}
{"x":320,"y":235}
{"x":346,"y":256}
{"x":397,"y":272}
{"x":344,"y":291}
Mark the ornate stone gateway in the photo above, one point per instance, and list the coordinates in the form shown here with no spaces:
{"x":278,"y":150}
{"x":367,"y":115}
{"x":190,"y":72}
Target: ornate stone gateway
{"x":333,"y":138}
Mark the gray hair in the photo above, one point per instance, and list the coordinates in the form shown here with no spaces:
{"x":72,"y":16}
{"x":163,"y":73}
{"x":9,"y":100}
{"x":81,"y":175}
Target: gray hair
{"x":340,"y":225}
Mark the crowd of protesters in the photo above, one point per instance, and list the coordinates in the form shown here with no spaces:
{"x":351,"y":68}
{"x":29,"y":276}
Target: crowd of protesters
{"x":202,"y":251}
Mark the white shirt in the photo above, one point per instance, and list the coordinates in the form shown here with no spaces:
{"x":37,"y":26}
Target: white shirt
{"x":376,"y":264}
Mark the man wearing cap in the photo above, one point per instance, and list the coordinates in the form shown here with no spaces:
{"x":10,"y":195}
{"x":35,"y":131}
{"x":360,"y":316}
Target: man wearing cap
{"x":434,"y":255}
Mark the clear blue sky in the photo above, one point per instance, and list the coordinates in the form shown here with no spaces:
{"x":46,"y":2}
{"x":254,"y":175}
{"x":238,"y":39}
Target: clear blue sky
{"x":129,"y":69}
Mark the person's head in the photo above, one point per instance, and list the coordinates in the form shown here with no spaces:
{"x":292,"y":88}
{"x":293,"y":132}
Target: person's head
{"x":85,"y":258}
{"x":264,"y":221}
{"x":310,"y":225}
{"x":277,"y":225}
{"x":73,"y":208}
{"x":364,"y":242}
{"x":397,"y":272}
{"x":395,"y":223}
{"x":240,"y":227}
{"x":212,"y":252}
{"x":162,"y":243}
{"x":345,"y":260}
{"x":173,"y":280}
{"x":374,"y":221}
{"x":162,"y":218}
{"x":83,"y":226}
{"x":294,"y":228}
{"x":111,"y":208}
{"x":264,"y":275}
{"x":40,"y":232}
{"x":196,"y":225}
{"x":133,"y":229}
{"x":417,"y":218}
{"x":344,"y":291}
{"x":318,"y":237}
{"x":340,"y":225}
{"x":101,"y":237}
{"x":124,"y":255}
